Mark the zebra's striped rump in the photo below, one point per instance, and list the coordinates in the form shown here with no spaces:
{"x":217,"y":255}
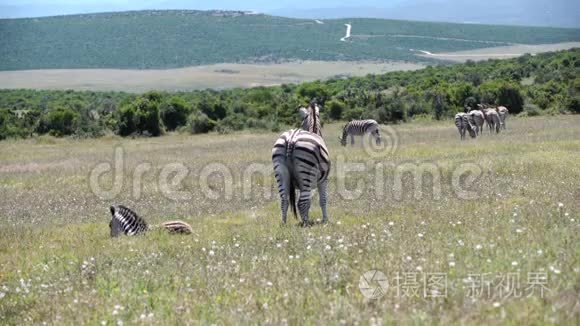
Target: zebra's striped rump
{"x":464,"y":123}
{"x":301,"y":161}
{"x":125,"y":221}
{"x":360,"y":128}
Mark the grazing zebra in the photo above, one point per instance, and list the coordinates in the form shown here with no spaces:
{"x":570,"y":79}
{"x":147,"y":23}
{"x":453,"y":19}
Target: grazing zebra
{"x":125,"y":221}
{"x":503,"y":114}
{"x":463,"y":124}
{"x":478,"y":119}
{"x":301,"y":161}
{"x":311,"y":119}
{"x":360,"y":128}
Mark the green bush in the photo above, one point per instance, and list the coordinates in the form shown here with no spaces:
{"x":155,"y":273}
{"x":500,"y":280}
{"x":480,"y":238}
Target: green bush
{"x":335,"y":109}
{"x":174,"y":113}
{"x":140,"y":117}
{"x":531,"y":110}
{"x":59,"y":122}
{"x":199,"y":123}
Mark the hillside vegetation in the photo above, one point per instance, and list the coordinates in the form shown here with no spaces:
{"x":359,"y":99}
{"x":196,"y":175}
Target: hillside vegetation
{"x":169,"y":39}
{"x":529,"y":85}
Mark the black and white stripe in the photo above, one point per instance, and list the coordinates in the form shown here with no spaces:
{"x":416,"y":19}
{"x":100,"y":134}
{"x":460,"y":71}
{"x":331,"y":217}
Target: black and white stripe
{"x":301,"y":162}
{"x":311,"y":117}
{"x":464,"y":122}
{"x":125,"y":221}
{"x":360,"y":128}
{"x":478,"y":119}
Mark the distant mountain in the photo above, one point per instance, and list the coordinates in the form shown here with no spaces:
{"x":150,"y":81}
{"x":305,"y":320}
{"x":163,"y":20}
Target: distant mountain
{"x":180,"y":38}
{"x":558,"y":13}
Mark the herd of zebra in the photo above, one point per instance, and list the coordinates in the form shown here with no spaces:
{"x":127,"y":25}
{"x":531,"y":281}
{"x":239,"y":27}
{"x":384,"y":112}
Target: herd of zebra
{"x":301,"y":162}
{"x":472,"y":121}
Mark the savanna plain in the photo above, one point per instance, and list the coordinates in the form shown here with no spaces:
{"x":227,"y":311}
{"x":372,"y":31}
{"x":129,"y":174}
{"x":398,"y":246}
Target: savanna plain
{"x":481,"y":231}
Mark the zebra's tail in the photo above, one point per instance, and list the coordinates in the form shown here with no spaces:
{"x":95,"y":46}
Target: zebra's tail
{"x":177,"y":227}
{"x":292,"y":189}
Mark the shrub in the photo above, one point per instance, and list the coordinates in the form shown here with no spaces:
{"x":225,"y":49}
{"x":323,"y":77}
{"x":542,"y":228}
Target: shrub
{"x":174,"y":113}
{"x":59,"y":122}
{"x":335,"y":110}
{"x":531,"y":110}
{"x":141,"y":117}
{"x":200,"y":123}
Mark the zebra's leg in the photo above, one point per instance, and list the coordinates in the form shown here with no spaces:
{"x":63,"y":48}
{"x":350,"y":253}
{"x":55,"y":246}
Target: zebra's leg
{"x":283,"y":178}
{"x":322,"y":187}
{"x":377,"y":136}
{"x":351,"y":139}
{"x":304,"y":205}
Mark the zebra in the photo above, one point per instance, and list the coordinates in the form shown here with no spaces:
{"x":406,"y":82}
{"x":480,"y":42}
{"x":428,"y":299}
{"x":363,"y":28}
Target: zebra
{"x":311,"y":119}
{"x":478,"y":119}
{"x":125,"y":221}
{"x":491,"y":117}
{"x":358,"y":128}
{"x":503,"y":114}
{"x":301,"y":161}
{"x":464,"y":123}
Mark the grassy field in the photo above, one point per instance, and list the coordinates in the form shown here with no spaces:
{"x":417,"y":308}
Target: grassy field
{"x":218,"y":76}
{"x":515,"y":215}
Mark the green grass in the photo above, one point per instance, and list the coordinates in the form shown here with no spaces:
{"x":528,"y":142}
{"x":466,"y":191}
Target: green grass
{"x":172,"y":39}
{"x":58,"y":264}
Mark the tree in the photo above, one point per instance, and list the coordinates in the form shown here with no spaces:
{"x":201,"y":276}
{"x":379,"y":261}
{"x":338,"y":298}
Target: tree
{"x":335,"y":109}
{"x":141,"y":117}
{"x":59,"y":122}
{"x":174,"y":113}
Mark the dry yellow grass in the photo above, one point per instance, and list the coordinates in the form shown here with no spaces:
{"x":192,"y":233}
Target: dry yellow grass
{"x":201,"y":77}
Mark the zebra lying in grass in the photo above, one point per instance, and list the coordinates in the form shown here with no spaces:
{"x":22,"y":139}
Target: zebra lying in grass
{"x":125,"y":221}
{"x":360,"y":128}
{"x":503,"y":114}
{"x":301,"y":161}
{"x":464,"y":123}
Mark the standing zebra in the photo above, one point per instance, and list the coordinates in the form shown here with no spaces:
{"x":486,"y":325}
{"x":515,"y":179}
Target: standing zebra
{"x":478,"y":119}
{"x":503,"y":114}
{"x":463,"y":124}
{"x":491,"y":117}
{"x":125,"y":221}
{"x":301,"y":161}
{"x":360,"y":128}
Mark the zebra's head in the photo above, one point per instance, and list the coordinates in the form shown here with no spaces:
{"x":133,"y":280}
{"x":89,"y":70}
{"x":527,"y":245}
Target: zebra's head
{"x":125,"y":221}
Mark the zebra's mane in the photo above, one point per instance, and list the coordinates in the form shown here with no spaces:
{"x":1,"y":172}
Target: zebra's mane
{"x":314,"y":119}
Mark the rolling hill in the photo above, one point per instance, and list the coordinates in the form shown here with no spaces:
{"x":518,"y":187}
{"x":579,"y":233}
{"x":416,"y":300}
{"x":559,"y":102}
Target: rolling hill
{"x":172,"y":39}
